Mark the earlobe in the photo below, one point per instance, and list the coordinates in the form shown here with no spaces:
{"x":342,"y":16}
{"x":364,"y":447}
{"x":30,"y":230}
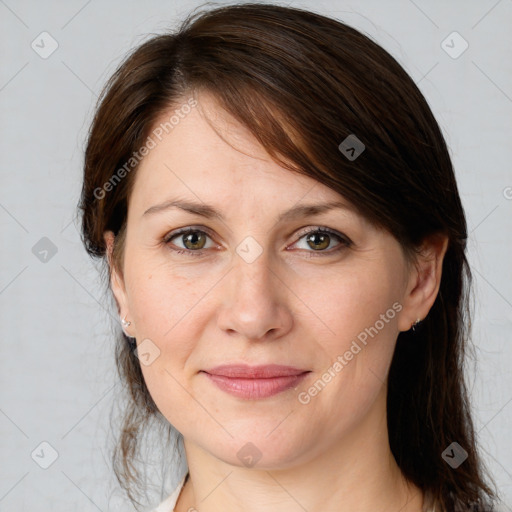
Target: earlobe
{"x":424,"y":281}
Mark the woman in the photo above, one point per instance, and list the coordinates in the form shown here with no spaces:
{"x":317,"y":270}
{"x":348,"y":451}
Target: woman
{"x":286,"y":247}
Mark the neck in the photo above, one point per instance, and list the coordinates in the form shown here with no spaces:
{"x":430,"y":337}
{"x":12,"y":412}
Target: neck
{"x":358,"y":472}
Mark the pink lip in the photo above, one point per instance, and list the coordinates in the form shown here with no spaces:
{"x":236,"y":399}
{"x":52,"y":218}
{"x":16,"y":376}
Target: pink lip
{"x":254,"y":382}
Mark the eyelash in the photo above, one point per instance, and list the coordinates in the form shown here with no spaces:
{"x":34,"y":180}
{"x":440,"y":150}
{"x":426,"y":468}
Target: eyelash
{"x":345,"y":242}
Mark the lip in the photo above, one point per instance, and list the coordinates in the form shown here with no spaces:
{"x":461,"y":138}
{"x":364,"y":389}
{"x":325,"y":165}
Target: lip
{"x":245,"y":371}
{"x":255,"y":382}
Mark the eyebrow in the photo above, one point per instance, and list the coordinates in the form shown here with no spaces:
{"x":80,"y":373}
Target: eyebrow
{"x":210,"y":212}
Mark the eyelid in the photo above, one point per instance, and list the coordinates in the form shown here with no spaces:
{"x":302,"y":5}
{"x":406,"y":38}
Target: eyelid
{"x":179,"y":231}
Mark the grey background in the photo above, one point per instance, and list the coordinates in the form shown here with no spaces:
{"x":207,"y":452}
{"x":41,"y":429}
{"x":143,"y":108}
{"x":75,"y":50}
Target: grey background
{"x":56,"y":366}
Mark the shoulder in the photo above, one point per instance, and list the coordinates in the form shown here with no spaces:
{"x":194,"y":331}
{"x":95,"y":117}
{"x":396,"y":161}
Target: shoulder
{"x":170,"y":502}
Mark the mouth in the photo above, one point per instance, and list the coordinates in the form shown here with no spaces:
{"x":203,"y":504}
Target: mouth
{"x":255,"y":382}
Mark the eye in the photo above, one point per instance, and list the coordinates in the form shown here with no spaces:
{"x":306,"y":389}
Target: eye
{"x":193,"y":240}
{"x":320,"y":239}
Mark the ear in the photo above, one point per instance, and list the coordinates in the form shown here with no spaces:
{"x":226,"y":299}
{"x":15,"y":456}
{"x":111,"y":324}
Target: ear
{"x":424,"y":281}
{"x":116,"y":278}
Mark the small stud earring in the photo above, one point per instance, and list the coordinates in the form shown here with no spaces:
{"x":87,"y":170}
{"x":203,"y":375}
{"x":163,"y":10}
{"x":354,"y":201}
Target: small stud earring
{"x":415,"y":324}
{"x":125,"y":322}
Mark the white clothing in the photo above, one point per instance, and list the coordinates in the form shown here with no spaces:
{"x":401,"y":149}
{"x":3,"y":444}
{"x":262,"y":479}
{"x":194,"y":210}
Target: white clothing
{"x":170,"y":502}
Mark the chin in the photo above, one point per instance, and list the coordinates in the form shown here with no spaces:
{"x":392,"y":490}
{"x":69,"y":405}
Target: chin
{"x":258,"y":452}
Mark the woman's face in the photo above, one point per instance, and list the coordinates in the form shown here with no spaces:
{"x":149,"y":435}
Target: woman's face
{"x":256,"y":284}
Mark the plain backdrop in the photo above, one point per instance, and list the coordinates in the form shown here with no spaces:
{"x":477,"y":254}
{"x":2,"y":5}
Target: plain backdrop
{"x":57,"y":367}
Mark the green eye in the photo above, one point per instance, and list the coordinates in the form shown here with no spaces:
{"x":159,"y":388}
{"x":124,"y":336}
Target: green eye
{"x":194,"y":241}
{"x":320,"y":239}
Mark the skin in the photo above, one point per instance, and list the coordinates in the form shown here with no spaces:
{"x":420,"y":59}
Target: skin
{"x":284,"y":307}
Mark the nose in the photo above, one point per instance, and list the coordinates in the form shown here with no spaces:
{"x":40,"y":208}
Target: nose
{"x":254,"y":301}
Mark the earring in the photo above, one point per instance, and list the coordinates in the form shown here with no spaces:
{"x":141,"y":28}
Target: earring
{"x":127,"y":323}
{"x":415,"y":324}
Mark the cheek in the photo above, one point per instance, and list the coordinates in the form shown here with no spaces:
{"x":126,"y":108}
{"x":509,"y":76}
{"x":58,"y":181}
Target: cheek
{"x":167,"y":309}
{"x":359,"y":304}
{"x":168,"y":314}
{"x":359,"y":310}
{"x":162,"y":298}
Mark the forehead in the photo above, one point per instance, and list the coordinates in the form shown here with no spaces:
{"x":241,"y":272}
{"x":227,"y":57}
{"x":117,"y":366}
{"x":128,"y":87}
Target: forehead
{"x":209,"y":154}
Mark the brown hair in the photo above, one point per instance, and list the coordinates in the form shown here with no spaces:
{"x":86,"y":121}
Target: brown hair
{"x":302,"y":83}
